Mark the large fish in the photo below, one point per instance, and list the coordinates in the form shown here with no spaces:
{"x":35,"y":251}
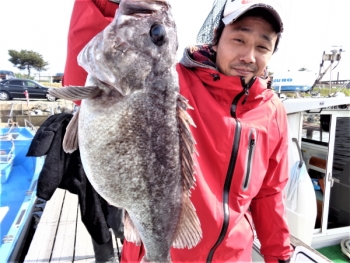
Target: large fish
{"x":133,"y":129}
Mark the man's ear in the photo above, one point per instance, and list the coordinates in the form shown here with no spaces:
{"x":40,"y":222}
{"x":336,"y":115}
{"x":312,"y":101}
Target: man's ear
{"x":214,"y":33}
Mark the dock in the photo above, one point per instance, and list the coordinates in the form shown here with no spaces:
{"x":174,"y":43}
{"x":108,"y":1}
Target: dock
{"x":60,"y":235}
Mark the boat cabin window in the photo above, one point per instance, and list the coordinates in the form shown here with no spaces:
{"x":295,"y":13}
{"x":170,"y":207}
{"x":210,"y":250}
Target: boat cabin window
{"x":316,"y":128}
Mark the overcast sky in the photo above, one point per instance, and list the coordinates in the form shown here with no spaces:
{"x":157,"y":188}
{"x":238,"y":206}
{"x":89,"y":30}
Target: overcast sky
{"x":311,"y":27}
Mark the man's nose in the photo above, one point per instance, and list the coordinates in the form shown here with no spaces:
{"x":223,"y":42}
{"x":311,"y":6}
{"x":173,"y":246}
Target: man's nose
{"x":248,"y":55}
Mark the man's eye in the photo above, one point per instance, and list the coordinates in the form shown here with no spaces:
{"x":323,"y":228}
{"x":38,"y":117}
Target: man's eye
{"x":264,"y":48}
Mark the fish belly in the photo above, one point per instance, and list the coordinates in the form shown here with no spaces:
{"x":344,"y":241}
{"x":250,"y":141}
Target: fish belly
{"x":130,"y":153}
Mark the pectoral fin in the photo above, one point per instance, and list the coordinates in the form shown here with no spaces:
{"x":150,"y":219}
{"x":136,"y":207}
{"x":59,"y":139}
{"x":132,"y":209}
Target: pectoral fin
{"x":130,"y":231}
{"x":70,"y":140}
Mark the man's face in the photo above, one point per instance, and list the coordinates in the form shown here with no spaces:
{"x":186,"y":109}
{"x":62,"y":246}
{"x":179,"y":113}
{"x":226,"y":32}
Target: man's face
{"x":245,"y":48}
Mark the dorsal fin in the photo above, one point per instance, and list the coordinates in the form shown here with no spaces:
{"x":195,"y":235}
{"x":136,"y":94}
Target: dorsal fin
{"x":131,"y":233}
{"x":75,"y":92}
{"x":70,"y":140}
{"x":188,"y":232}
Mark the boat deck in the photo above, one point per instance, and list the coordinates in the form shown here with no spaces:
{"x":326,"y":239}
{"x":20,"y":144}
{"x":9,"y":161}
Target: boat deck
{"x":60,"y":235}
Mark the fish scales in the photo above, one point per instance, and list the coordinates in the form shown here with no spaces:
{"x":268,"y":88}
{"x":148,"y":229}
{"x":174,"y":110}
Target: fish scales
{"x":132,"y":128}
{"x":145,"y":164}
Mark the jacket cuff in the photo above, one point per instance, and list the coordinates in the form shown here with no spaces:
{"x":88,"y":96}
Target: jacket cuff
{"x":271,"y":259}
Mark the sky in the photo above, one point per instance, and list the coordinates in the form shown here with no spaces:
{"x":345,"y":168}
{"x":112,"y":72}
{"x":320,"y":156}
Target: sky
{"x":311,"y":28}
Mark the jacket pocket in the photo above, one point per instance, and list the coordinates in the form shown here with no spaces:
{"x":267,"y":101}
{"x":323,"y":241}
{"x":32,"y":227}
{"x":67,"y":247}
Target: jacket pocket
{"x":252,"y":137}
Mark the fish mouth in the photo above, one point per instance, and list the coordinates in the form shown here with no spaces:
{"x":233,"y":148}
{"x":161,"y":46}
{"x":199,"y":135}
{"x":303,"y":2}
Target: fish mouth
{"x":144,"y":7}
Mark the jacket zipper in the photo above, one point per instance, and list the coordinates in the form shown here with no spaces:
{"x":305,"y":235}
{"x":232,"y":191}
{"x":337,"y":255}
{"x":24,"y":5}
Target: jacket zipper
{"x":245,"y":92}
{"x":226,"y":191}
{"x":231,"y":167}
{"x":251,"y":147}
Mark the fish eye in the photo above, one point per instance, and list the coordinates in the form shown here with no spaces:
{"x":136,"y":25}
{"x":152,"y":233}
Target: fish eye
{"x":157,"y":33}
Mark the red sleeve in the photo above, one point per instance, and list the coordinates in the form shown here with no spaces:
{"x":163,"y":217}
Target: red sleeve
{"x":268,"y":207}
{"x":89,"y":17}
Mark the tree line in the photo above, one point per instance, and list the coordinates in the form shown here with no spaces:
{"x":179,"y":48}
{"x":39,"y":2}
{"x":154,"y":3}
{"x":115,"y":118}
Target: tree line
{"x":27,"y":60}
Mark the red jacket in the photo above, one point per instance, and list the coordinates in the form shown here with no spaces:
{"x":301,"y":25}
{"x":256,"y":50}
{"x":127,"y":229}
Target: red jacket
{"x":241,"y":172}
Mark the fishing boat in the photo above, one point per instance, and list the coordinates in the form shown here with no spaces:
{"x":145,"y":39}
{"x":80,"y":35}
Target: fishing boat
{"x":318,"y":191}
{"x":305,"y":80}
{"x":19,"y":176}
{"x":294,"y":81}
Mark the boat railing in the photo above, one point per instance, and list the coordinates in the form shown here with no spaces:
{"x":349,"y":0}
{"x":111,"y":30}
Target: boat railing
{"x":6,"y":155}
{"x":29,"y":125}
{"x":345,"y":85}
{"x":11,"y":124}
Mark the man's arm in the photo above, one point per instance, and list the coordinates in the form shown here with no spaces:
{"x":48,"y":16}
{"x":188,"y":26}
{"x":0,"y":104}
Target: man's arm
{"x":89,"y":17}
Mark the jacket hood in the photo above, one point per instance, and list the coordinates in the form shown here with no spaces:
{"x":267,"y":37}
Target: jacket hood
{"x":199,"y":56}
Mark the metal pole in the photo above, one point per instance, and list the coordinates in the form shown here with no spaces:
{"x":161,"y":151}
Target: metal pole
{"x":11,"y":111}
{"x":330,"y":81}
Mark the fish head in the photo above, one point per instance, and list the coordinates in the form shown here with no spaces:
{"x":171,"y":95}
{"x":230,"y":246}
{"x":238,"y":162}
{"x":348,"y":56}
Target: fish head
{"x":138,"y":45}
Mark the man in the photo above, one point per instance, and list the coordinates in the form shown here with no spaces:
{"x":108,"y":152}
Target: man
{"x":241,"y":138}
